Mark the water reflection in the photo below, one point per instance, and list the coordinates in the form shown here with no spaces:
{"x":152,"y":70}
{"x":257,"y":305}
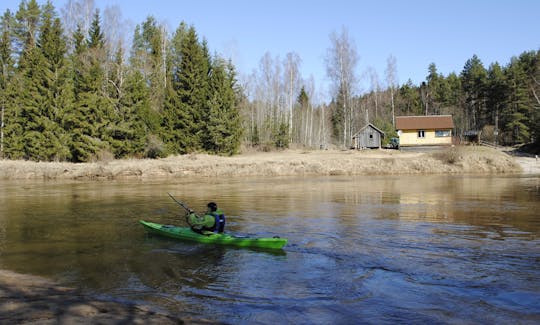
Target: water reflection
{"x":389,"y":249}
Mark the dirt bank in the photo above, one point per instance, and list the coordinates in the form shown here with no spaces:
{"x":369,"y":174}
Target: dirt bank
{"x":27,"y":299}
{"x":284,"y":163}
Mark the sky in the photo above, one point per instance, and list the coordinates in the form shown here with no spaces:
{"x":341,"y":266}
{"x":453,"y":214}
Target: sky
{"x":416,"y":32}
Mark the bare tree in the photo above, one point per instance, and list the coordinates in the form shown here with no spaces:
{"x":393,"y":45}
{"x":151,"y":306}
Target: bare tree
{"x":269,"y":95}
{"x":341,"y":62}
{"x":77,"y":13}
{"x":292,"y":75}
{"x":375,"y":91}
{"x":391,"y":79}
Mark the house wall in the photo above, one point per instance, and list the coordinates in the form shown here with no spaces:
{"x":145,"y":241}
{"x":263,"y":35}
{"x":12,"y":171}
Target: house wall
{"x":410,"y":138}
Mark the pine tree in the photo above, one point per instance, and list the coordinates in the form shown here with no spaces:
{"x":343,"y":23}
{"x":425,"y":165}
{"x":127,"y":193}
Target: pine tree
{"x":474,"y":82}
{"x":223,"y":133}
{"x":497,"y":93}
{"x":148,"y":56}
{"x":409,"y":99}
{"x":91,"y":121}
{"x":132,"y":130}
{"x":186,"y":94}
{"x":7,"y":69}
{"x":38,"y":72}
{"x":515,"y":115}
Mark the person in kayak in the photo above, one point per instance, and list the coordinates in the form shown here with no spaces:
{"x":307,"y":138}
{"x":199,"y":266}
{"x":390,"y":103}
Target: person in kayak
{"x":212,"y":221}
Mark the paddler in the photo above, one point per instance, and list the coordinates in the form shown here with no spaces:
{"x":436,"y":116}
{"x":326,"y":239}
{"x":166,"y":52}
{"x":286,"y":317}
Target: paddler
{"x":212,"y":221}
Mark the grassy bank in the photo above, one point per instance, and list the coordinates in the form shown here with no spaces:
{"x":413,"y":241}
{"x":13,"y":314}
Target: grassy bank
{"x":284,"y":163}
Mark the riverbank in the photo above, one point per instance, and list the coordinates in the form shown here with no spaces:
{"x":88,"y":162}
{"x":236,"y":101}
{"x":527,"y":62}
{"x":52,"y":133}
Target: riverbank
{"x":283,"y":163}
{"x":28,"y":299}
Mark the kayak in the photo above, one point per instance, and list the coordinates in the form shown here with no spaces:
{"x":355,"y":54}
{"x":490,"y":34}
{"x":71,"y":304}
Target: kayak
{"x":185,"y":233}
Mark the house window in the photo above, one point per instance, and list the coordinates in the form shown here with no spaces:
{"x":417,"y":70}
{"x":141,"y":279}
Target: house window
{"x":443,"y":133}
{"x":421,"y":133}
{"x":371,"y":135}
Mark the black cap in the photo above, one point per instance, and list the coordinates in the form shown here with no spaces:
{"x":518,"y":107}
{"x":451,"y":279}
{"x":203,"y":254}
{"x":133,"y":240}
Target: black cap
{"x":212,"y":206}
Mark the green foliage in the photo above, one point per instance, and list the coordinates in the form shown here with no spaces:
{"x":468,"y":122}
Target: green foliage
{"x":337,"y":117}
{"x":280,"y":136}
{"x":387,"y":128}
{"x":172,"y":97}
{"x":223,"y":131}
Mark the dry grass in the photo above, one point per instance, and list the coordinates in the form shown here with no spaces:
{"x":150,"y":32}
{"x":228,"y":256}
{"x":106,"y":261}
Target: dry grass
{"x":284,"y":163}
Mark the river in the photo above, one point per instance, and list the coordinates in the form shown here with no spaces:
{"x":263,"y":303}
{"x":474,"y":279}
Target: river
{"x":375,"y":250}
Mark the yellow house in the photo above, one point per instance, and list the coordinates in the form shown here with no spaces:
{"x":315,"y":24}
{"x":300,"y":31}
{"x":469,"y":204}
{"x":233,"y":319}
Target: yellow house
{"x":430,"y":130}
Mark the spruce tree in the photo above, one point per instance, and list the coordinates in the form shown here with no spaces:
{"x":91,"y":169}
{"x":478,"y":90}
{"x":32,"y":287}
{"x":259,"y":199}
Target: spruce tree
{"x":223,"y":127}
{"x":135,"y":118}
{"x":515,"y":115}
{"x":91,"y":120}
{"x":497,"y":92}
{"x":7,"y":69}
{"x":186,"y":94}
{"x":474,"y":83}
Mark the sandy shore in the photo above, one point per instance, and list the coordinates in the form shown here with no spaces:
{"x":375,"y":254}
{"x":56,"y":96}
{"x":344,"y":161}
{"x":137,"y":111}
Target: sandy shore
{"x":283,"y":163}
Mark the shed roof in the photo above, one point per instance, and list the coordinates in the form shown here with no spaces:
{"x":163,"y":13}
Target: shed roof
{"x":368,"y":125}
{"x":424,"y":122}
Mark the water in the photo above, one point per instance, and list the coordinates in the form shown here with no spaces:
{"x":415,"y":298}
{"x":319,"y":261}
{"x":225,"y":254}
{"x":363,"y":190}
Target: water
{"x":380,"y":250}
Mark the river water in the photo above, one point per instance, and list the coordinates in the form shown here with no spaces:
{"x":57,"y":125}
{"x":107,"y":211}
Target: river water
{"x":378,"y":249}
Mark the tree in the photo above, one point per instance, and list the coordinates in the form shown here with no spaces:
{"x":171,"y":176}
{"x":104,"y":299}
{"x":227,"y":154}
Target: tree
{"x":497,"y":92}
{"x":187,"y":94}
{"x":515,"y":116}
{"x":7,"y":69}
{"x":149,"y":56}
{"x":473,"y":79}
{"x":77,"y":16}
{"x":292,"y":78}
{"x":341,"y":62}
{"x":223,"y":131}
{"x":410,"y":103}
{"x":90,"y":118}
{"x":391,"y":79}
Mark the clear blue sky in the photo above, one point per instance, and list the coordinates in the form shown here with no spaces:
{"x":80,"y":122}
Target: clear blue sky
{"x":417,"y":33}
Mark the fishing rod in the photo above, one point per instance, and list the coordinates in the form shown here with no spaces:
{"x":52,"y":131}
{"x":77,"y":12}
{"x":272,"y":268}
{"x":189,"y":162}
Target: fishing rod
{"x":181,"y":204}
{"x":188,"y":210}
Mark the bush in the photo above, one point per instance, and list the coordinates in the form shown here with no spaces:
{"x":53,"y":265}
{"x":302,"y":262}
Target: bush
{"x":155,"y":148}
{"x":449,"y":156}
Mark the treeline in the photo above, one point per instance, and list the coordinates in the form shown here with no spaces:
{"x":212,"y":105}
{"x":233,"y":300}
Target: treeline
{"x":500,"y":102}
{"x":72,"y":90}
{"x":75,"y":97}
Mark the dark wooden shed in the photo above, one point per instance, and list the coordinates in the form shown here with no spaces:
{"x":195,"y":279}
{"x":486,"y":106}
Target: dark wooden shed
{"x":368,"y":137}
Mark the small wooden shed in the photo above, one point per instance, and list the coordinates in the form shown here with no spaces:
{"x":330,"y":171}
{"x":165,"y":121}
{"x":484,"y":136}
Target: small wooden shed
{"x":368,"y":137}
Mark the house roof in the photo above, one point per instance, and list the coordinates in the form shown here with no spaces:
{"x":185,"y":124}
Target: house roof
{"x":424,"y":122}
{"x":368,"y":125}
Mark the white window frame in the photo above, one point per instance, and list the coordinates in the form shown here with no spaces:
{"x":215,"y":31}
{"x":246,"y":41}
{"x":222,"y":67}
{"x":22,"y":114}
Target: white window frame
{"x":443,"y":133}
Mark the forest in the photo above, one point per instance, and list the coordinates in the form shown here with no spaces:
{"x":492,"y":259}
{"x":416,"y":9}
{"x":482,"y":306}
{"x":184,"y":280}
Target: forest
{"x":73,"y":89}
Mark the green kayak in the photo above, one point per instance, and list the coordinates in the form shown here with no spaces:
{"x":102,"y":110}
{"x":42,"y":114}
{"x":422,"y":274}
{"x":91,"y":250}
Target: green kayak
{"x":185,"y":233}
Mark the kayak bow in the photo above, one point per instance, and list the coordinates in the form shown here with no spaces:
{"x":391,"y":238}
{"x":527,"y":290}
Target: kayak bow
{"x":185,"y":233}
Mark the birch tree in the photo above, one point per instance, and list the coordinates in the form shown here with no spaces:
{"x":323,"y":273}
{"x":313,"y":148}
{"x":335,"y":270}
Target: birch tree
{"x":292,"y":80}
{"x":341,"y":61}
{"x":77,"y":14}
{"x":391,"y":80}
